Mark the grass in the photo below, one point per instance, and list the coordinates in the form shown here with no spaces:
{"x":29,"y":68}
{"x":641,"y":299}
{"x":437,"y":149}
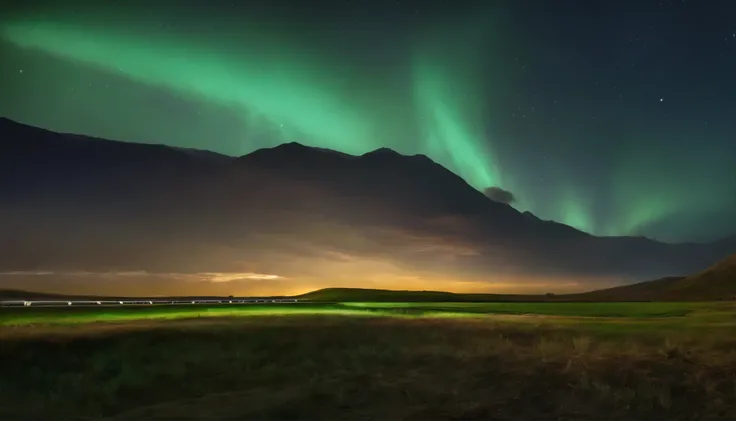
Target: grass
{"x":396,"y":361}
{"x":83,"y":315}
{"x":550,"y":309}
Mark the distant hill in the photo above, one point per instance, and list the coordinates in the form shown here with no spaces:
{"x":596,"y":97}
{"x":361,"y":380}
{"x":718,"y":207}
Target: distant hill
{"x":16,"y":294}
{"x":71,"y":203}
{"x":718,"y":282}
{"x":382,"y":295}
{"x":655,"y":290}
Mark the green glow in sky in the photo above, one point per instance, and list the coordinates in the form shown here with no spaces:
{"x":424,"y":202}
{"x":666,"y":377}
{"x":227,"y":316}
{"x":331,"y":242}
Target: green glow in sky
{"x":445,"y":113}
{"x":293,"y":97}
{"x":646,"y":192}
{"x":436,"y":104}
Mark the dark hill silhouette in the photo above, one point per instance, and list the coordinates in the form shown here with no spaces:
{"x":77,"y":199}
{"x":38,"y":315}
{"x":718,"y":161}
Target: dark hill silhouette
{"x":70,"y":202}
{"x":718,"y":282}
{"x":382,"y":295}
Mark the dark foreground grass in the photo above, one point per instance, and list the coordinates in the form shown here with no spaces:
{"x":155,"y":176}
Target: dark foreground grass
{"x":331,"y":365}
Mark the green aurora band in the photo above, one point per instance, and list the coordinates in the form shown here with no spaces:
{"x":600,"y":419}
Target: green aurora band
{"x":296,"y":96}
{"x":286,"y":93}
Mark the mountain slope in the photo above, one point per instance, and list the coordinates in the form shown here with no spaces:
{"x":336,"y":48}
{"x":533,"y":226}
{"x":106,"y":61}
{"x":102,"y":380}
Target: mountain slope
{"x":71,"y":203}
{"x":718,"y":282}
{"x":382,"y":174}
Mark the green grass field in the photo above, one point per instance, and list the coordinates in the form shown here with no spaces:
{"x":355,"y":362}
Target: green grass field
{"x":70,"y":315}
{"x":382,"y":360}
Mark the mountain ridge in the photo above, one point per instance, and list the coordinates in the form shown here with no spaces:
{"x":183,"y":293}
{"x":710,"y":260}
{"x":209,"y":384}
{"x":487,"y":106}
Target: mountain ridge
{"x":164,"y":209}
{"x":296,"y":146}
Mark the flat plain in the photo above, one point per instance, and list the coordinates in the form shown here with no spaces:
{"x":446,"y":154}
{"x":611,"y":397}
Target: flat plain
{"x":362,"y":360}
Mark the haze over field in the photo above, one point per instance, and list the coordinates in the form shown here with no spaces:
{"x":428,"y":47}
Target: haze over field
{"x":89,"y":216}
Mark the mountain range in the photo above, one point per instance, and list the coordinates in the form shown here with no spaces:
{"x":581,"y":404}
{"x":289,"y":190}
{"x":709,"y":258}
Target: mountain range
{"x":292,"y":217}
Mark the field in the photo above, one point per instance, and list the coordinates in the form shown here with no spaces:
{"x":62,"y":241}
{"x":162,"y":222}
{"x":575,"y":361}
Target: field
{"x":385,"y":360}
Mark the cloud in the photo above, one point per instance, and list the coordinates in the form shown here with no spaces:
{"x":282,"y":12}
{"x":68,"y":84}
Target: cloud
{"x":499,"y":195}
{"x":28,"y":273}
{"x":229,"y":277}
{"x":205,"y":276}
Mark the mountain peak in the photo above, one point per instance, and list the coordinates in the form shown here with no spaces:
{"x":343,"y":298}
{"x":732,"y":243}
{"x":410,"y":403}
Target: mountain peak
{"x":382,"y":152}
{"x":531,"y":216}
{"x":298,"y":148}
{"x":291,"y":145}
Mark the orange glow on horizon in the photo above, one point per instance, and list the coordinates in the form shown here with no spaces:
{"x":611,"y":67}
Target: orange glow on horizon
{"x":250,"y":284}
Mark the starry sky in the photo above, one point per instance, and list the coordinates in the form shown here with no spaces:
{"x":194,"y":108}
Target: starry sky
{"x":617,"y":118}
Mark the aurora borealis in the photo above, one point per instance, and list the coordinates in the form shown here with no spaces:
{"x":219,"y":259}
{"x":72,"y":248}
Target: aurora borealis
{"x":616,"y":126}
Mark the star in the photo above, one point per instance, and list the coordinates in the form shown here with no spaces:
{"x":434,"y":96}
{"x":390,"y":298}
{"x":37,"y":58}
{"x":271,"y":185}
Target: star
{"x":661,"y":100}
{"x":21,"y":70}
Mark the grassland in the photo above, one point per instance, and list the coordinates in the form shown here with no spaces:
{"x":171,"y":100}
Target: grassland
{"x":371,"y":361}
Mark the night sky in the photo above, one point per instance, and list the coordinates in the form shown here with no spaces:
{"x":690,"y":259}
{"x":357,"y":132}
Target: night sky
{"x":618,"y":118}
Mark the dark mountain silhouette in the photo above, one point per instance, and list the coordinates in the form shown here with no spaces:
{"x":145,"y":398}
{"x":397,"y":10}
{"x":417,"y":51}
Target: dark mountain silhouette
{"x":411,"y":183}
{"x":70,"y":202}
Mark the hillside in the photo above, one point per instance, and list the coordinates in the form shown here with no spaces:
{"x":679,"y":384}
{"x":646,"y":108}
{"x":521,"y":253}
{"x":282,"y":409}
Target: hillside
{"x":656,"y":290}
{"x":382,"y":295}
{"x":379,"y":295}
{"x":717,"y":282}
